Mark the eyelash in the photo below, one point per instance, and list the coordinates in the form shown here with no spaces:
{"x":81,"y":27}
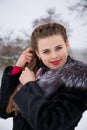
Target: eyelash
{"x":47,"y":51}
{"x":58,"y":48}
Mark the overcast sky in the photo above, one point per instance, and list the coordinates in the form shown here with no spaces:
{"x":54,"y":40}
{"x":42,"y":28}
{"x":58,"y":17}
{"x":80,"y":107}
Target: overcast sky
{"x":17,"y":15}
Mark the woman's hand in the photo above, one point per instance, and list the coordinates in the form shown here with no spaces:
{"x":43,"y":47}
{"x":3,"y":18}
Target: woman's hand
{"x":25,"y":57}
{"x":26,"y":76}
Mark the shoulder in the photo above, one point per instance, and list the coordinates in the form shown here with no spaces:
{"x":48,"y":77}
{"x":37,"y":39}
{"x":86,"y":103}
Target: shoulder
{"x":74,"y":73}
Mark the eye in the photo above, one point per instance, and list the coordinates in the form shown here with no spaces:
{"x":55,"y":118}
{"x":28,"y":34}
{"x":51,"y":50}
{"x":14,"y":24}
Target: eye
{"x":58,"y":48}
{"x":46,"y":52}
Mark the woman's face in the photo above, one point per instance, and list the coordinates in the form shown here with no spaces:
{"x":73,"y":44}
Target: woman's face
{"x":53,"y":51}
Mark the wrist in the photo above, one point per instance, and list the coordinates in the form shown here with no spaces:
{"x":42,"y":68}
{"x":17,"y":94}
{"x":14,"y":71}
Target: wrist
{"x":16,"y":69}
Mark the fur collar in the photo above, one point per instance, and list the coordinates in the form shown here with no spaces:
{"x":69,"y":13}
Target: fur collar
{"x":72,"y":74}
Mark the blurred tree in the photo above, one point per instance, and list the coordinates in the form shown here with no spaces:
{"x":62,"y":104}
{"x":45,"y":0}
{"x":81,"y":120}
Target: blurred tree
{"x":79,"y":7}
{"x":52,"y":16}
{"x":10,"y":52}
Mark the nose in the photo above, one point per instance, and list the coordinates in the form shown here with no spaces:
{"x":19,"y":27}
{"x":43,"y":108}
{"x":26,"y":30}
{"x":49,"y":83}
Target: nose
{"x":53,"y":55}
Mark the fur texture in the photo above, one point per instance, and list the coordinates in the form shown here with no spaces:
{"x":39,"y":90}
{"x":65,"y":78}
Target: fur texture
{"x":72,"y":74}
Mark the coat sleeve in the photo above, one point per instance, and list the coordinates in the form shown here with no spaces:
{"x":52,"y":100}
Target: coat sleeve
{"x":61,"y":111}
{"x":8,"y":85}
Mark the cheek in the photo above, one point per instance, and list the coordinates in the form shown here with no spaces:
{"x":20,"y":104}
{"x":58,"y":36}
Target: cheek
{"x":45,"y":59}
{"x":61,"y":54}
{"x":64,"y":57}
{"x":64,"y":53}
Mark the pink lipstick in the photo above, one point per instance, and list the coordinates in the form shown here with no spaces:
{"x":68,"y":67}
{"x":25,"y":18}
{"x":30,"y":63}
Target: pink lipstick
{"x":55,"y":62}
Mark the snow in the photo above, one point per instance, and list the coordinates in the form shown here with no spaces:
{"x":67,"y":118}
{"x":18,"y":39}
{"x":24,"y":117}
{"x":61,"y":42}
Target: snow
{"x":6,"y":124}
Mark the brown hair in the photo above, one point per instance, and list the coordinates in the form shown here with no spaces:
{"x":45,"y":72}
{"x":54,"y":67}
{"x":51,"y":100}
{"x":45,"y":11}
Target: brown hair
{"x":43,"y":31}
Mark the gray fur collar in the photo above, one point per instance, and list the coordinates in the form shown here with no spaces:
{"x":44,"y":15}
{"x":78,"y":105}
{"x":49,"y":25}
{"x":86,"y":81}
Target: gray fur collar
{"x":72,"y":74}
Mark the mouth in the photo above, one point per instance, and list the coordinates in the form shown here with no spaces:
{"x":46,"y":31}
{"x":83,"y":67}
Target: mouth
{"x":55,"y":62}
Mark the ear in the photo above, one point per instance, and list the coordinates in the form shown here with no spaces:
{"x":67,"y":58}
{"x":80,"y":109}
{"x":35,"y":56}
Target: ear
{"x":37,"y":53}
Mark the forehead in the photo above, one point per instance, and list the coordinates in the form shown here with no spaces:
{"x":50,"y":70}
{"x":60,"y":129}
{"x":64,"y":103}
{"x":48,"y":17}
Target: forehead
{"x":50,"y":41}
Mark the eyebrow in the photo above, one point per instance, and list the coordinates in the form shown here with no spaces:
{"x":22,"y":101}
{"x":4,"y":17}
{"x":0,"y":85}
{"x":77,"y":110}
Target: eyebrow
{"x":58,"y":45}
{"x":45,"y":49}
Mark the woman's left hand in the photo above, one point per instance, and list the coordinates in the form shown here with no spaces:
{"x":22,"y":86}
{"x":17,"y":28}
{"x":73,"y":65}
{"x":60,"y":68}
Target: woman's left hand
{"x":26,"y":76}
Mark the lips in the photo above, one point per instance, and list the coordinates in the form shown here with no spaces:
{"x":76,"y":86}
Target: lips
{"x":55,"y":62}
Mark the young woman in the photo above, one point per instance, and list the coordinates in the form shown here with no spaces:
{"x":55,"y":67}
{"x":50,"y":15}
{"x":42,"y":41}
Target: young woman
{"x":46,"y":89}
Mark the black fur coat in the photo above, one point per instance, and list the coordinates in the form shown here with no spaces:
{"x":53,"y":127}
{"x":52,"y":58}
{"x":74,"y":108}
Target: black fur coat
{"x":56,"y":101}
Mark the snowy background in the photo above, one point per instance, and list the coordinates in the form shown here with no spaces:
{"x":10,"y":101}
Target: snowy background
{"x":17,"y":15}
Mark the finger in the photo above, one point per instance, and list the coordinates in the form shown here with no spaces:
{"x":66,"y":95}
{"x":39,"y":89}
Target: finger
{"x":26,"y":68}
{"x":28,"y":54}
{"x":29,"y":49}
{"x":28,"y":59}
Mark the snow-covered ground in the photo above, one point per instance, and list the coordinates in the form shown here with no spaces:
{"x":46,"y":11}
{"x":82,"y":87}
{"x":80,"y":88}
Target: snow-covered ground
{"x":7,"y":124}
